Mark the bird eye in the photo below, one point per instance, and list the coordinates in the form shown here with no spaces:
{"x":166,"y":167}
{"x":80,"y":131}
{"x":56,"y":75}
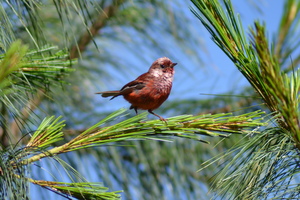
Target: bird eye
{"x":162,"y":66}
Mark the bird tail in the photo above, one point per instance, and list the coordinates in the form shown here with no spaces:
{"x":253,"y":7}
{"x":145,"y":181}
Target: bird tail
{"x":109,"y":93}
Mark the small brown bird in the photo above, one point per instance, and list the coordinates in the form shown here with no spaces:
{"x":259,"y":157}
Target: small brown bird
{"x":150,"y":89}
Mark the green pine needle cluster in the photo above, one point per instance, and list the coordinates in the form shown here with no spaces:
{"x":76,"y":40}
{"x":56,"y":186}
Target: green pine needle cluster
{"x":23,"y":74}
{"x":22,"y":70}
{"x":268,"y":168}
{"x":266,"y":165}
{"x":82,"y":190}
{"x":255,"y":61}
{"x":186,"y":126}
{"x":12,"y":177}
{"x":50,"y":131}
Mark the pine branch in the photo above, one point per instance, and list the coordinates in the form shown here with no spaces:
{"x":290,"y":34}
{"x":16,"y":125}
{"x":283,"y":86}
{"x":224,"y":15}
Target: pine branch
{"x":75,"y":51}
{"x":255,"y":61}
{"x":23,"y":72}
{"x":263,"y":166}
{"x":32,"y":70}
{"x":282,"y":91}
{"x":14,"y":178}
{"x":186,"y":126}
{"x":82,"y":190}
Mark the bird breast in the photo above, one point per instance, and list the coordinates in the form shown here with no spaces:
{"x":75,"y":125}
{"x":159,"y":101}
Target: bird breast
{"x":155,"y":92}
{"x":162,"y":79}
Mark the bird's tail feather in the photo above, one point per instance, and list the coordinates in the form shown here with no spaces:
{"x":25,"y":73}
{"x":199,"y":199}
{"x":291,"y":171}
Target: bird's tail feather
{"x":109,"y":93}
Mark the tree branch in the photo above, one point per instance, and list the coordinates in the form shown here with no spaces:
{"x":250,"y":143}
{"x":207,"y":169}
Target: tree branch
{"x":101,"y":21}
{"x":75,"y":51}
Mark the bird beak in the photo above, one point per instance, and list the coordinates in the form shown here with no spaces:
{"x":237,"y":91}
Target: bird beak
{"x":173,"y":64}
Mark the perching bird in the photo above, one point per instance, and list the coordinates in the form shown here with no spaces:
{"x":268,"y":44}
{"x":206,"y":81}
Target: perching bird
{"x":150,"y":89}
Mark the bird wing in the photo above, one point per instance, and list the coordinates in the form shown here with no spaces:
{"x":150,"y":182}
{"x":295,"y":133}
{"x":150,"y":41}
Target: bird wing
{"x":131,"y":86}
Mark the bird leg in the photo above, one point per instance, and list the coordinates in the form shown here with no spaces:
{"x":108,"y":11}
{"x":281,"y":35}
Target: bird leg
{"x":135,"y":109}
{"x":161,"y":118}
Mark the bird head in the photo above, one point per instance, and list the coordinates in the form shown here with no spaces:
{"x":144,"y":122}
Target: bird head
{"x":162,"y":66}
